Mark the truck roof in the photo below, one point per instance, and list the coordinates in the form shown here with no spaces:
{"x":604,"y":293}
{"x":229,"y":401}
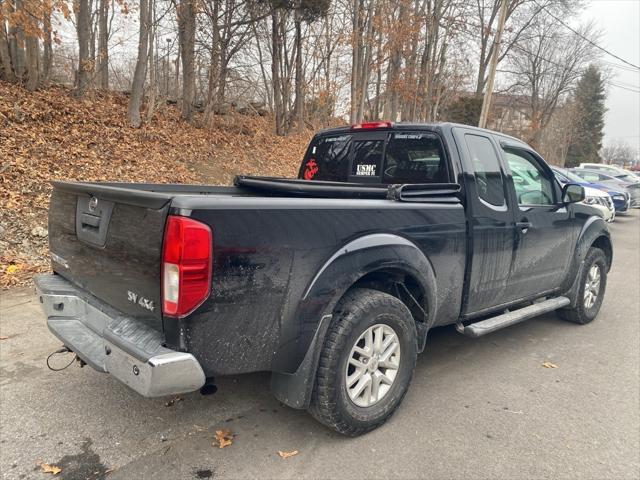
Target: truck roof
{"x":385,"y":125}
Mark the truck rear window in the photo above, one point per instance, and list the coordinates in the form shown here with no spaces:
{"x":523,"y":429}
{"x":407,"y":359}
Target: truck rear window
{"x":393,"y":157}
{"x":415,"y":158}
{"x":327,"y":159}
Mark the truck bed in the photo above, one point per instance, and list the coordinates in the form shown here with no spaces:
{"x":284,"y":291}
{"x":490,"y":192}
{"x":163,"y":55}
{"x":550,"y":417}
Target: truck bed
{"x":270,"y":238}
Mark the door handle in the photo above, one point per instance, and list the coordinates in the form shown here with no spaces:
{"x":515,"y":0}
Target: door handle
{"x":523,"y":226}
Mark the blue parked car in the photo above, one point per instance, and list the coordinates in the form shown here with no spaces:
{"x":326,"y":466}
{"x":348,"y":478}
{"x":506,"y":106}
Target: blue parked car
{"x":621,"y":199}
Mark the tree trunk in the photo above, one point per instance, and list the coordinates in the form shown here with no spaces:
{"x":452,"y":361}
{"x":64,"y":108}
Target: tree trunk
{"x":83,"y":28}
{"x":187,"y":39}
{"x":93,"y":36}
{"x":265,"y":81}
{"x":137,"y":86}
{"x":176,"y":93}
{"x":393,"y":69}
{"x":299,"y":79}
{"x":33,"y":63}
{"x":276,"y":60}
{"x":356,"y":53}
{"x":285,"y":73}
{"x":222,"y":79}
{"x":5,"y":57}
{"x":47,"y":54}
{"x":153,"y":87}
{"x":214,"y":62}
{"x":103,"y":45}
{"x":16,"y":46}
{"x":375,"y":115}
{"x":365,"y":67}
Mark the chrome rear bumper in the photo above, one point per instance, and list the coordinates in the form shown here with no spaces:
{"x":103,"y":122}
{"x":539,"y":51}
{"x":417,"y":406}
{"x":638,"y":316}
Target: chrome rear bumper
{"x":110,"y":342}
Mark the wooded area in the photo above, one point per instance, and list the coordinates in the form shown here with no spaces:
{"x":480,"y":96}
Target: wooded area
{"x":311,"y":63}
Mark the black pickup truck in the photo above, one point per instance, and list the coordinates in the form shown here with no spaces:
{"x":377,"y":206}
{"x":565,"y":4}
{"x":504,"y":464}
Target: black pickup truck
{"x":330,"y":281}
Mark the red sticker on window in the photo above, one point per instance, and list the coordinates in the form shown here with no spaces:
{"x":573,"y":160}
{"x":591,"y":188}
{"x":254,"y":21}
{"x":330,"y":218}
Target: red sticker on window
{"x":310,"y":169}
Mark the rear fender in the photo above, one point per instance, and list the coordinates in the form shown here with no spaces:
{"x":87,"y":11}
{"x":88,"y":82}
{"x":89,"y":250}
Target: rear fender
{"x":296,"y":361}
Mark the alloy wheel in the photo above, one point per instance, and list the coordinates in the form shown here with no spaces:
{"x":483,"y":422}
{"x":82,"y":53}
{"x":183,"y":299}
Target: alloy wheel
{"x":373,"y":365}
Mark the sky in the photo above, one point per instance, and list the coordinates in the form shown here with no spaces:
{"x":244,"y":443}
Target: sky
{"x":619,"y":21}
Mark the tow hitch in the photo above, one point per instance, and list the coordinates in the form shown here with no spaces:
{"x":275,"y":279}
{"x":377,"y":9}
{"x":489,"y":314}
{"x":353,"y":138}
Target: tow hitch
{"x":61,"y":351}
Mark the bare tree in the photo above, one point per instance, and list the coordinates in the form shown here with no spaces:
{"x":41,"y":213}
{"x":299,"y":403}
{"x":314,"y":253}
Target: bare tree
{"x":547,"y":65}
{"x":5,"y":56}
{"x":618,"y":152}
{"x":83,"y":28}
{"x":47,"y":53}
{"x":139,"y":76}
{"x":299,"y":106}
{"x":16,"y":43}
{"x":277,"y":46}
{"x":556,"y":137}
{"x":186,"y":12}
{"x":363,"y":16}
{"x":153,"y":69}
{"x":102,"y":61}
{"x":32,"y":51}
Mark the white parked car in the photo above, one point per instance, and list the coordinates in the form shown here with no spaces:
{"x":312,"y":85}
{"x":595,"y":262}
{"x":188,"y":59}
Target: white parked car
{"x":601,"y":201}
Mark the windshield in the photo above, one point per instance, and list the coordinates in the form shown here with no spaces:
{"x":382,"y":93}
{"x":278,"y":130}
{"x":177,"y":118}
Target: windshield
{"x":571,"y":176}
{"x":627,"y":177}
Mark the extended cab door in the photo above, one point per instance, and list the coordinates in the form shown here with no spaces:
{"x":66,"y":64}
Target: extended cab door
{"x":544,"y":226}
{"x":491,"y":221}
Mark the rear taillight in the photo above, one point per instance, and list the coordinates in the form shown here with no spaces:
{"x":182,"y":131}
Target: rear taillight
{"x":186,"y":265}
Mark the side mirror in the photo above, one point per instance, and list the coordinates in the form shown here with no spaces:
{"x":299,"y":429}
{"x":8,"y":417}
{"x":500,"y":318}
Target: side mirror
{"x":572,"y":193}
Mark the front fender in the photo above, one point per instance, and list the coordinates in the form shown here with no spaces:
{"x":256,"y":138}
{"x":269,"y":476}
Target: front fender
{"x":593,"y":229}
{"x":296,"y":360}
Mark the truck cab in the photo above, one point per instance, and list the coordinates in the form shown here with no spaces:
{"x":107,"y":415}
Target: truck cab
{"x":521,"y":230}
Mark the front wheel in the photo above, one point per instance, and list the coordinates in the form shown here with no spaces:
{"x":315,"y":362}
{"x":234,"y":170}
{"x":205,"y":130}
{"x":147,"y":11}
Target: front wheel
{"x":366,"y":362}
{"x":593,"y":283}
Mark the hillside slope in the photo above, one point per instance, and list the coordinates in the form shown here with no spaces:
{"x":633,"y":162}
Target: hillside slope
{"x":49,"y":135}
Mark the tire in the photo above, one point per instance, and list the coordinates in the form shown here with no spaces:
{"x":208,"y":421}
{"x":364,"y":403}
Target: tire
{"x":361,"y":311}
{"x":585,"y":311}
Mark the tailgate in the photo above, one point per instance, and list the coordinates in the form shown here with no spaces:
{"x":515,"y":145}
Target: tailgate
{"x":108,"y":241}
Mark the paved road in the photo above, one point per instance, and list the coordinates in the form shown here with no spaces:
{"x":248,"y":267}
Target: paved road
{"x":481,"y":408}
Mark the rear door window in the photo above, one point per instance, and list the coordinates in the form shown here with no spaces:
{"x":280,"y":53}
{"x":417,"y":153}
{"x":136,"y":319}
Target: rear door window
{"x":486,"y":167}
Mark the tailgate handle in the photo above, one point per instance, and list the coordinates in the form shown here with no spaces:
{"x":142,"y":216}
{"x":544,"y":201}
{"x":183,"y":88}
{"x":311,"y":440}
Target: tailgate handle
{"x":90,"y":220}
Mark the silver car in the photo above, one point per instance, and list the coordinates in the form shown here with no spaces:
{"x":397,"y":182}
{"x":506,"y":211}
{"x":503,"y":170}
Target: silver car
{"x":615,"y":182}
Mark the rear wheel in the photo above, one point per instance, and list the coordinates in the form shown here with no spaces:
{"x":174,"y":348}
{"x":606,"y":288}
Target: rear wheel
{"x":593,"y":282}
{"x":366,"y":362}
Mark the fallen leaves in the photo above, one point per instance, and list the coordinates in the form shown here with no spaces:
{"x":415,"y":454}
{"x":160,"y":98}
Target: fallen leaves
{"x":46,"y":468}
{"x":549,"y":365}
{"x":11,"y":269}
{"x":292,"y":453}
{"x":173,"y":401}
{"x":16,"y":269}
{"x":48,"y":135}
{"x":223,"y":439}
